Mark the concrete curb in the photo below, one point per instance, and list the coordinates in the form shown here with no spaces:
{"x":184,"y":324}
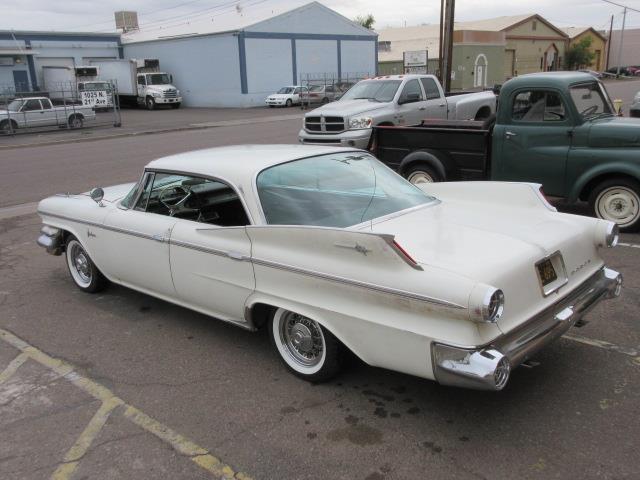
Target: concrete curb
{"x":192,"y":126}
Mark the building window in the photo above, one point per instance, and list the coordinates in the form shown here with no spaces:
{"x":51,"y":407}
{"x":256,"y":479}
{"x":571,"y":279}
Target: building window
{"x":534,"y":25}
{"x":384,"y":46}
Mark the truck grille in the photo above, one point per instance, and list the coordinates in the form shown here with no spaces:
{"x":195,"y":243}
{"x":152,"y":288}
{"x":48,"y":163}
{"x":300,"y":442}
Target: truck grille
{"x":172,"y":93}
{"x":324,"y":124}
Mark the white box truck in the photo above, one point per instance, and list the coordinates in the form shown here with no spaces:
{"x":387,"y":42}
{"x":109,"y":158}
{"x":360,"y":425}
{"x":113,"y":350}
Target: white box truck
{"x":65,"y":83}
{"x":137,"y":85}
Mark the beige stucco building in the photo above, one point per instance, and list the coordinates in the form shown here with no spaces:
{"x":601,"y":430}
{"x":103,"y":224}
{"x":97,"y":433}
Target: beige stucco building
{"x":533,"y":44}
{"x":598,"y":44}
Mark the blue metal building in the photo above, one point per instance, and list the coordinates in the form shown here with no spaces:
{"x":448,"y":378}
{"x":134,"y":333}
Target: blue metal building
{"x":237,"y":58}
{"x":23,"y":54}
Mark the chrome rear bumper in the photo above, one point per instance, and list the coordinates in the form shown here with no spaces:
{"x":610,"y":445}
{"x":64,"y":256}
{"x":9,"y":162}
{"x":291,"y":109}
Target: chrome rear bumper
{"x":487,"y":367}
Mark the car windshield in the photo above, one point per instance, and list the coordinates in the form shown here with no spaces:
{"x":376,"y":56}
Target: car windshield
{"x":15,"y":105}
{"x":286,"y":90}
{"x":374,"y":90}
{"x":158,"y":79}
{"x":335,"y":190}
{"x":591,"y":100}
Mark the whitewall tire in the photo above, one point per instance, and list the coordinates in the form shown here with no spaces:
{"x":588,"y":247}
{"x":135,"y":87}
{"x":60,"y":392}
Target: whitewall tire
{"x":307,"y":349}
{"x":83,"y":271}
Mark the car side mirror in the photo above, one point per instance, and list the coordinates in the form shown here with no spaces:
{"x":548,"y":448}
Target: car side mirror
{"x":97,"y":194}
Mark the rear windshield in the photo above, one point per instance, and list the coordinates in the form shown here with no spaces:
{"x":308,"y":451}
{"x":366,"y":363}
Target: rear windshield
{"x":335,"y":190}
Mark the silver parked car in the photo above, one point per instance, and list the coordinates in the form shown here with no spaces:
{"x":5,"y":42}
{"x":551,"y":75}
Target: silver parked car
{"x":319,"y":94}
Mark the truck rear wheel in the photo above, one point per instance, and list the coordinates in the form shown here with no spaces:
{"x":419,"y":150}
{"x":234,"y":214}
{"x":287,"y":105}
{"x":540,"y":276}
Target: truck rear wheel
{"x":75,"y":121}
{"x":422,"y":173}
{"x":617,"y":200}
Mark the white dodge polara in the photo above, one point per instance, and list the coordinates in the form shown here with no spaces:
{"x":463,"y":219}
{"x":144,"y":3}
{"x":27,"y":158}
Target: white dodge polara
{"x":331,"y":250}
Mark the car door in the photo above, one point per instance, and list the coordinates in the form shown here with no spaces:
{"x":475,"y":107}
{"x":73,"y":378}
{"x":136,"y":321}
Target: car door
{"x":48,"y":113}
{"x":210,"y":251}
{"x":411,"y":104}
{"x":136,"y":240}
{"x":436,"y":105}
{"x":33,"y":113}
{"x":534,"y":141}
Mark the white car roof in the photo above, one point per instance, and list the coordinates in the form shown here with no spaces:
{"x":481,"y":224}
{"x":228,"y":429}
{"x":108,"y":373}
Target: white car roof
{"x":238,"y":164}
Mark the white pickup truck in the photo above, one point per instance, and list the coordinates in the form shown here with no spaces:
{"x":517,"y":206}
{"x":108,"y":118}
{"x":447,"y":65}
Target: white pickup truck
{"x":39,"y":112}
{"x":389,"y":100}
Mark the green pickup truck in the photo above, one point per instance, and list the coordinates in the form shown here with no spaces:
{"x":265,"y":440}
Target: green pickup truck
{"x":558,"y":129}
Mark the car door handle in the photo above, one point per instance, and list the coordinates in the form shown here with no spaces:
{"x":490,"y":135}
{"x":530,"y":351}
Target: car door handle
{"x":510,"y":134}
{"x":442,"y":105}
{"x":158,"y":237}
{"x":236,"y":256}
{"x":422,"y":108}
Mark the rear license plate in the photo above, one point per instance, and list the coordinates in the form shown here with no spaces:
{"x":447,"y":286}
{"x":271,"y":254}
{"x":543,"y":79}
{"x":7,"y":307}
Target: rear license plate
{"x":546,"y":272}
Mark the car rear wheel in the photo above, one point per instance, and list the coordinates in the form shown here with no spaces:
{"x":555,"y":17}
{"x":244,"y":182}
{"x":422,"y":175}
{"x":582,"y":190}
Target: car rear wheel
{"x":6,"y":127}
{"x":84,"y":272}
{"x":289,"y":102}
{"x":618,"y":200}
{"x":422,"y":174}
{"x":75,"y":121}
{"x":307,"y":349}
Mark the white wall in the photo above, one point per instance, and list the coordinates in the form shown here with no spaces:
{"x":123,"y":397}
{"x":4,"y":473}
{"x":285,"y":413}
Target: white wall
{"x":317,"y":57}
{"x":205,"y":69}
{"x":358,"y":57}
{"x":269,"y":65}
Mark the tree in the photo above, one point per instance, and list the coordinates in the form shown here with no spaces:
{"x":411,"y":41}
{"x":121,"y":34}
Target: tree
{"x":366,"y":21}
{"x":580,"y":55}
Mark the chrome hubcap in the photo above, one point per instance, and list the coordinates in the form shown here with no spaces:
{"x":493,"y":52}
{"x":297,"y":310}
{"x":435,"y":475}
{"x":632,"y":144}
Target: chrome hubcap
{"x":618,"y":204}
{"x":420,"y":177}
{"x":81,"y":263}
{"x":302,"y":338}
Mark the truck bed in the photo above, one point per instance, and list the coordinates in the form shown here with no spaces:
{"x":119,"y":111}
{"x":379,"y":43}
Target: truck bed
{"x":463,"y":147}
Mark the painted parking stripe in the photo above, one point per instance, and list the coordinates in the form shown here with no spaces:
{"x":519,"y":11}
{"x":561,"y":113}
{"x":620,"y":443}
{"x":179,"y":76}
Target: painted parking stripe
{"x":200,"y":456}
{"x":632,"y":352}
{"x":631,"y":245}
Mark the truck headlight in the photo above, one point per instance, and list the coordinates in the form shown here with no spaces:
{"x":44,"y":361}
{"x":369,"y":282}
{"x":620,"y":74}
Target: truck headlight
{"x":359,"y":123}
{"x":486,"y":303}
{"x":177,"y":93}
{"x":156,"y":94}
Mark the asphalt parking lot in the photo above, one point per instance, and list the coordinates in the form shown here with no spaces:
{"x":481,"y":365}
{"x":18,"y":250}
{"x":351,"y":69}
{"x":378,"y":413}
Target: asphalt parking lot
{"x":122,"y":385}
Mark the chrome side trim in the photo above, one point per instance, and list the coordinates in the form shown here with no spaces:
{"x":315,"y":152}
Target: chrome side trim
{"x":356,"y":283}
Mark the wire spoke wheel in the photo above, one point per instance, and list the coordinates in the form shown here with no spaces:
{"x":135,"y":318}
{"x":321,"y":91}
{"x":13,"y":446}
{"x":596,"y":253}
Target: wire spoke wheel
{"x":79,"y":264}
{"x":302,"y":338}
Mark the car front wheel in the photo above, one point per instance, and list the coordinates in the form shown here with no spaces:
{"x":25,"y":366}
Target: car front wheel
{"x":618,"y":200}
{"x":289,"y":102}
{"x":83,"y":271}
{"x":307,"y":349}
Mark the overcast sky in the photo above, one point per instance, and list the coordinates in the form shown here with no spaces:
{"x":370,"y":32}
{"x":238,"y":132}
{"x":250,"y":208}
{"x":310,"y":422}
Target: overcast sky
{"x":91,"y":15}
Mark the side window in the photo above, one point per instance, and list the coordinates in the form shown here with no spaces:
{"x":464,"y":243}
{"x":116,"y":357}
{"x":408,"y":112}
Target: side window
{"x":141,"y":80}
{"x":538,"y":106}
{"x":193,"y":198}
{"x":146,"y":184}
{"x":31,"y":105}
{"x":329,"y":89}
{"x":430,"y":88}
{"x":412,"y":92}
{"x":46,"y":104}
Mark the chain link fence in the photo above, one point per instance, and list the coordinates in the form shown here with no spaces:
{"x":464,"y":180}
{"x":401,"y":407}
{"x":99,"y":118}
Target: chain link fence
{"x":62,"y":106}
{"x":327,"y":87}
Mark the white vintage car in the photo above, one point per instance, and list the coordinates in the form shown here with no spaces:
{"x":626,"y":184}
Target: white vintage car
{"x":331,"y":250}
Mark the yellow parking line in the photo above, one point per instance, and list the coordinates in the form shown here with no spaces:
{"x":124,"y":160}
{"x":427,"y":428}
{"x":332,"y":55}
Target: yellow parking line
{"x":13,"y":366}
{"x":197,"y":454}
{"x":78,"y":450}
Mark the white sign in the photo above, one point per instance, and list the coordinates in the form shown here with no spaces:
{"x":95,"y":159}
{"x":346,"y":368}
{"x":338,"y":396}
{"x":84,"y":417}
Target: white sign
{"x":95,"y":98}
{"x":417,"y":58}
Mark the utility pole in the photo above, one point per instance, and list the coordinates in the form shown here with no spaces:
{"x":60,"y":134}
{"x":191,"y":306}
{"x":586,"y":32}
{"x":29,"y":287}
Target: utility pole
{"x":624,"y":19}
{"x":446,"y":42}
{"x":606,"y":66}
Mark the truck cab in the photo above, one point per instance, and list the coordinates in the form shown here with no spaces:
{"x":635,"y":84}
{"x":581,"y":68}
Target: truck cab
{"x":155,"y":88}
{"x":561,"y":130}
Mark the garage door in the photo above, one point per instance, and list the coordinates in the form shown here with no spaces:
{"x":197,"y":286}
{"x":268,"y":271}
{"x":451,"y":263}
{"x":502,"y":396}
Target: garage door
{"x":50,"y":62}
